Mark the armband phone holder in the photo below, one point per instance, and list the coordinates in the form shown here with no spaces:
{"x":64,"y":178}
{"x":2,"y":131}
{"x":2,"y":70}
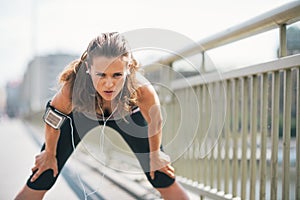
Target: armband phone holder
{"x":53,"y":117}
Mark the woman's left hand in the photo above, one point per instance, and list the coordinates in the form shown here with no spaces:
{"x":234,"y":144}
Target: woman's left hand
{"x":159,"y":161}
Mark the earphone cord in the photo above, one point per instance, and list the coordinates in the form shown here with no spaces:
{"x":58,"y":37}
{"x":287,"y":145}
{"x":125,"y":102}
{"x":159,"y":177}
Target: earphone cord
{"x":101,"y":149}
{"x":102,"y":135}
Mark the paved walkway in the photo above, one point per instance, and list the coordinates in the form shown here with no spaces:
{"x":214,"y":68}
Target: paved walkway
{"x":17,"y":157}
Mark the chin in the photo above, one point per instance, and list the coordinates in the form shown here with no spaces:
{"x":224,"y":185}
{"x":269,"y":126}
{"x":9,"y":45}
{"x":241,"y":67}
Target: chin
{"x":108,"y":98}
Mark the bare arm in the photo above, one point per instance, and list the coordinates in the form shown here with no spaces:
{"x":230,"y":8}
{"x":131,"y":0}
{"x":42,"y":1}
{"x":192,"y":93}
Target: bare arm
{"x":149,"y":105}
{"x":150,"y":108}
{"x":47,"y":159}
{"x":62,"y":102}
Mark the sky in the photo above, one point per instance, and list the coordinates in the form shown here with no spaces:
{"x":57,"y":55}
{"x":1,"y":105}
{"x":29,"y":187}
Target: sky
{"x":41,"y":27}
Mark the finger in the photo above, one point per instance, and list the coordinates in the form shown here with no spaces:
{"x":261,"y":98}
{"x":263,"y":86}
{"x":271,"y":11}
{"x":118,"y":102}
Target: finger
{"x":37,"y":162}
{"x":152,"y":175}
{"x":170,"y":173}
{"x":37,"y":157}
{"x":55,"y":171}
{"x":35,"y":176}
{"x":34,"y":168}
{"x":171,"y":168}
{"x":166,"y":170}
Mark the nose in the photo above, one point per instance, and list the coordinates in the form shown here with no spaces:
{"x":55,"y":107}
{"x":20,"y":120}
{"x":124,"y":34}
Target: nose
{"x":108,"y":82}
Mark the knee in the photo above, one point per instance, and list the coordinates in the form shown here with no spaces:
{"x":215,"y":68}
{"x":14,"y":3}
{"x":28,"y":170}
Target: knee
{"x":44,"y":182}
{"x":27,"y":193}
{"x":161,"y":180}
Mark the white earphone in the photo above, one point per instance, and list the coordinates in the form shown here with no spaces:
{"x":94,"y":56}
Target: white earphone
{"x":127,"y":71}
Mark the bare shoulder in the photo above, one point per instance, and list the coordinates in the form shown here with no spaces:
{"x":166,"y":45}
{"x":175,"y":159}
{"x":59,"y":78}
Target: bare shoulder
{"x":146,"y":92}
{"x":62,"y":100}
{"x":148,"y":100}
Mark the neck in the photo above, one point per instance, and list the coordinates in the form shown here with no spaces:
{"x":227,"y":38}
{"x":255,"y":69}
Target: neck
{"x":108,"y":108}
{"x":108,"y":104}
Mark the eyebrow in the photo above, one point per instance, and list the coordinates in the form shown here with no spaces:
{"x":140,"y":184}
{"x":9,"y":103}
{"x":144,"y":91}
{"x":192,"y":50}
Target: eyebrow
{"x":102,"y":73}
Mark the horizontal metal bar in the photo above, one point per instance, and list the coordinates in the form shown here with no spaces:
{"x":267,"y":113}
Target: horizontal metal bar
{"x":276,"y":65}
{"x":286,"y":14}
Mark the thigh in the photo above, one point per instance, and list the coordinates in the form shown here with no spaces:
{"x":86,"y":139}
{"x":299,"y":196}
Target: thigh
{"x":135,"y":133}
{"x":70,"y":136}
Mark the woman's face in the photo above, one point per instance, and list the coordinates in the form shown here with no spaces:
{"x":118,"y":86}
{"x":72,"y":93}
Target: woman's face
{"x":108,"y":76}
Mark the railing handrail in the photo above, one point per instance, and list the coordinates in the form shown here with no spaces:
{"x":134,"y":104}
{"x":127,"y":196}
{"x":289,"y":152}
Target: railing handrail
{"x":276,"y":65}
{"x":285,"y":14}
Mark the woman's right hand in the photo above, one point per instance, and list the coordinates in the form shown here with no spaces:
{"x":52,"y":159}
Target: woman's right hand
{"x":43,"y":162}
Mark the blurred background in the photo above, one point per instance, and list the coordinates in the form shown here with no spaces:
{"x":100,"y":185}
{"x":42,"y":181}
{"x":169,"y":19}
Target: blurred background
{"x":39,"y":37}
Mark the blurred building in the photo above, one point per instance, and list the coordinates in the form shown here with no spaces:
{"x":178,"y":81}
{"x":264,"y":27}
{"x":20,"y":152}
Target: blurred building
{"x":40,"y":81}
{"x":2,"y":100}
{"x":293,"y":41}
{"x":12,"y":98}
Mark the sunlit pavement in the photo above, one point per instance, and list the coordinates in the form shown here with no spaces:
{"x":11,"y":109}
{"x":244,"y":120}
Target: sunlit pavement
{"x":17,"y":158}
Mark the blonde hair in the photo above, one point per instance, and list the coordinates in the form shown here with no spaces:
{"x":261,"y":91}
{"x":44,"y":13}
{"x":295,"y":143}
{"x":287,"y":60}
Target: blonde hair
{"x":85,"y":98}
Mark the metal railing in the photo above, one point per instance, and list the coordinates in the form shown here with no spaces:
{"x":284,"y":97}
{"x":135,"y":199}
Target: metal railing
{"x":242,"y":145}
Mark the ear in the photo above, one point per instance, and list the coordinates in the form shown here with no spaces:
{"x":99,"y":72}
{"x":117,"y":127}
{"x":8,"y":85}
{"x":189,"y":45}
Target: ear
{"x":128,"y":67}
{"x":87,"y":68}
{"x":128,"y":71}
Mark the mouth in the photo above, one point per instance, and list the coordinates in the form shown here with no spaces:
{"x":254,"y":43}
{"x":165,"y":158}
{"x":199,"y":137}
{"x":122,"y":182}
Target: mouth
{"x":108,"y":91}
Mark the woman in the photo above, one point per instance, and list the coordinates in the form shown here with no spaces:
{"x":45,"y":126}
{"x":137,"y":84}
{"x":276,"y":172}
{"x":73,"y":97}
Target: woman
{"x":103,"y":88}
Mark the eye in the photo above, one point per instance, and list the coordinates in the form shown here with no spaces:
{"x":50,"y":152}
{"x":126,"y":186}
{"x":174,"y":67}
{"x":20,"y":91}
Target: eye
{"x":118,"y":75}
{"x":101,"y":75}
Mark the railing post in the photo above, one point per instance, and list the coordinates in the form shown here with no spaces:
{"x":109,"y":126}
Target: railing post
{"x":275,"y":133}
{"x":167,"y":77}
{"x":227,"y":136}
{"x":298,"y":136}
{"x":202,"y":68}
{"x":200,"y":134}
{"x":253,"y":126}
{"x":283,"y":42}
{"x":234,"y":137}
{"x":219,"y":136}
{"x":206,"y":126}
{"x":212,"y":129}
{"x":245,"y":108}
{"x":286,"y":133}
{"x":263,"y":151}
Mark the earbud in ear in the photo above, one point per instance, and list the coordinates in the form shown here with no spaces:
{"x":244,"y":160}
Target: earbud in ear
{"x":127,"y":71}
{"x":87,"y":68}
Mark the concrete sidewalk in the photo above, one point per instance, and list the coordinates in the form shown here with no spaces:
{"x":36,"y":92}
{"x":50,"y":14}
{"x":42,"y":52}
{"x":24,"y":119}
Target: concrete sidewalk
{"x":18,"y":150}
